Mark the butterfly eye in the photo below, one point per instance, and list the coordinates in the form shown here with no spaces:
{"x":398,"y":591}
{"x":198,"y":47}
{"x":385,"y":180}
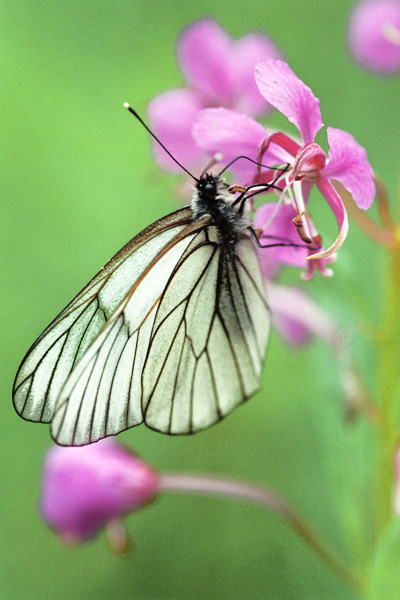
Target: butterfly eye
{"x":210,"y":188}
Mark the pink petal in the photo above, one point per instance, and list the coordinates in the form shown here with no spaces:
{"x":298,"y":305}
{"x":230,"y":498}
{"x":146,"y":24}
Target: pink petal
{"x":285,"y":317}
{"x":204,"y":52}
{"x":286,"y":92}
{"x":245,"y":54}
{"x":232,"y":134}
{"x":284,"y":141}
{"x":297,"y":317}
{"x":272,"y":151}
{"x":292,"y":331}
{"x":171,"y":117}
{"x":374,"y":35}
{"x":338,"y":208}
{"x":348,"y":163}
{"x":281,"y":229}
{"x":279,"y":148}
{"x":310,"y":159}
{"x":319,"y":264}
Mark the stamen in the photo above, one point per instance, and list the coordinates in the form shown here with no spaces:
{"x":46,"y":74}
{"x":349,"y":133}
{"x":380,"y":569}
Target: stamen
{"x":312,"y":267}
{"x":298,"y":194}
{"x":298,"y":223}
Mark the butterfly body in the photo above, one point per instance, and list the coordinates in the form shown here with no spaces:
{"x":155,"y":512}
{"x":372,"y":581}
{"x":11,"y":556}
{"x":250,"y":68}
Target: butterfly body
{"x":171,"y":332}
{"x":211,"y":197}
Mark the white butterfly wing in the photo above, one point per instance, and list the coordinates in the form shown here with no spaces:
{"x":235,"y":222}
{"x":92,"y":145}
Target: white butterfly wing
{"x":55,"y":353}
{"x":183,"y":349}
{"x":102,"y":395}
{"x":215,"y":306}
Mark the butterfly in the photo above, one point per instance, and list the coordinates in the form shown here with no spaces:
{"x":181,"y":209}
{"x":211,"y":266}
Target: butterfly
{"x":171,"y":332}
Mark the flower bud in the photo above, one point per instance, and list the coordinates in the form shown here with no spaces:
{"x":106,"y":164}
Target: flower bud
{"x":86,"y":488}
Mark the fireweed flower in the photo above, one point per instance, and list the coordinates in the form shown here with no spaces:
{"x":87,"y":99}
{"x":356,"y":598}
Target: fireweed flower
{"x":219,"y":72}
{"x":235,"y":134}
{"x":86,"y":488}
{"x":218,"y":129}
{"x":374,"y":35}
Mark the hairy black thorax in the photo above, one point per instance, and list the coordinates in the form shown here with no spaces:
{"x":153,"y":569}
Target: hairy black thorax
{"x":211,"y":197}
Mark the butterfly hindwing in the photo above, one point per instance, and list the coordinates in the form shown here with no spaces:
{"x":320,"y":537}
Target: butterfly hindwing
{"x":179,"y":337}
{"x":215,"y":305}
{"x":58,"y":350}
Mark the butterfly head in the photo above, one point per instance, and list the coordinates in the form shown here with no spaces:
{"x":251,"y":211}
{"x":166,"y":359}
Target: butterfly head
{"x":211,"y":197}
{"x":209,"y":193}
{"x":207,"y":186}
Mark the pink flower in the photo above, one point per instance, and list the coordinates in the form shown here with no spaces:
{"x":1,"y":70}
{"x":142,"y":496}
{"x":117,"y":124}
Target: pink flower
{"x":219,"y":72}
{"x":347,"y":160}
{"x":87,"y":488}
{"x":374,"y":35}
{"x":222,"y":129}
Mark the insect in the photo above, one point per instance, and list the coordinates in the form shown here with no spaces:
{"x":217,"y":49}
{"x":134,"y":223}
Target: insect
{"x":171,"y":332}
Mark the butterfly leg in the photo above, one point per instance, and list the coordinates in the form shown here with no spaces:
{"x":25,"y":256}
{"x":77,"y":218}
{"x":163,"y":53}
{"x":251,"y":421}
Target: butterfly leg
{"x":278,"y":241}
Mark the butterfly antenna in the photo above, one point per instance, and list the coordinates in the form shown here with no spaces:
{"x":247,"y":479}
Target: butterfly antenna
{"x":128,"y":107}
{"x":250,"y":160}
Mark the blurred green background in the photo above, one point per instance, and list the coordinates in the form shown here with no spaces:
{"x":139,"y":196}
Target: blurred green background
{"x":78,"y":182}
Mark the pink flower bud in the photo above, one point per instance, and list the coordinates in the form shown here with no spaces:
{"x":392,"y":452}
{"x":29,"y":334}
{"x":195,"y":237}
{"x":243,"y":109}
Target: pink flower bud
{"x":86,"y":488}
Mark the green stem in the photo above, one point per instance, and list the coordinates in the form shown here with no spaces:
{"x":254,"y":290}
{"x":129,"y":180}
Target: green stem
{"x":388,"y":380}
{"x":210,"y":485}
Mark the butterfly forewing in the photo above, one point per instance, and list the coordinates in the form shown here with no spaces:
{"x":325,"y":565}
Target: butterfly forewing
{"x":53,"y":356}
{"x":103,"y":394}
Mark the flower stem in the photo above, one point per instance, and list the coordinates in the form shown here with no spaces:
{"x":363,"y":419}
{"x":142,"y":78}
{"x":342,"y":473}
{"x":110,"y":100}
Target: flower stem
{"x":240,"y":490}
{"x":383,"y":204}
{"x":388,"y":386}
